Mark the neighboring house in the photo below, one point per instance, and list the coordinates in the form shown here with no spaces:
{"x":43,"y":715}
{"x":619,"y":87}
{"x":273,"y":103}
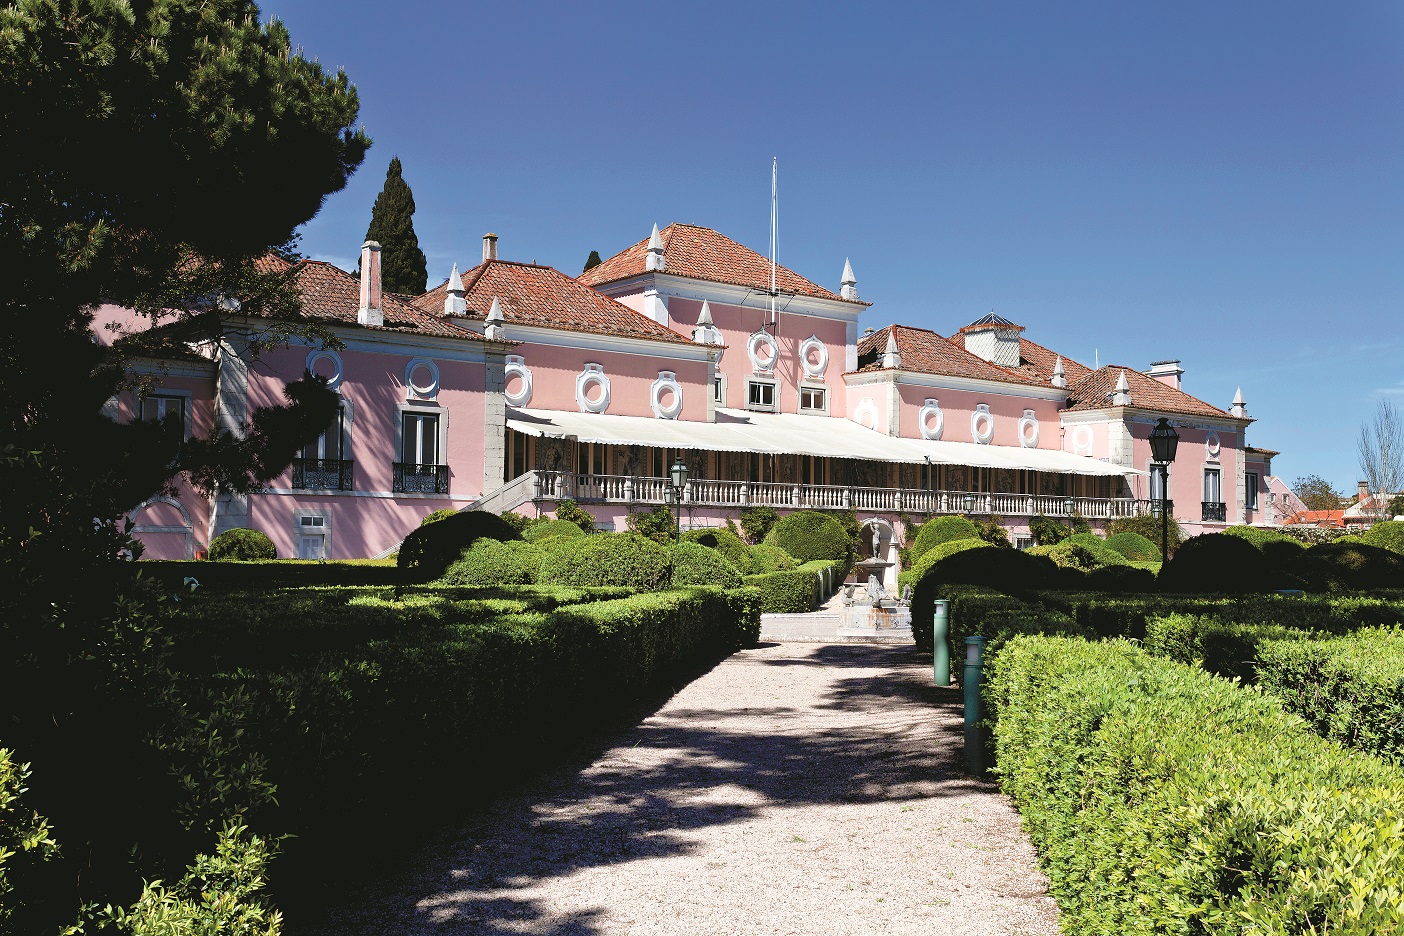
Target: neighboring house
{"x":1325,"y":519}
{"x":513,"y":386}
{"x":1368,"y":508}
{"x":1280,"y":500}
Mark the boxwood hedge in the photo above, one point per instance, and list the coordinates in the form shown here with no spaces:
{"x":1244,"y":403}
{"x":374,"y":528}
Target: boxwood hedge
{"x":430,"y":550}
{"x":489,"y":562}
{"x":1388,"y":534}
{"x":940,"y":530}
{"x":808,"y":535}
{"x":1133,"y":546}
{"x":242,"y":544}
{"x":799,"y":590}
{"x":724,"y":542}
{"x":767,"y":558}
{"x":625,"y":559}
{"x":695,"y":564}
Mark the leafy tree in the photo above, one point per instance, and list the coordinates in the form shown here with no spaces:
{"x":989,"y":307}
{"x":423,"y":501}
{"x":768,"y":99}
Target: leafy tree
{"x":403,"y":268}
{"x":592,"y":261}
{"x":1317,"y":493}
{"x":216,"y":141}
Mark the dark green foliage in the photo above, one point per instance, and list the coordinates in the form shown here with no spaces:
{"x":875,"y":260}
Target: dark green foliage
{"x":1120,"y":579}
{"x":808,"y":535}
{"x":592,"y":261}
{"x":1149,"y":526}
{"x":437,"y":515}
{"x":993,"y":533}
{"x":1216,"y":563}
{"x":1223,"y":647}
{"x":1343,"y":566}
{"x":1080,"y":525}
{"x":725,"y":542}
{"x":1081,"y":551}
{"x":757,"y":521}
{"x":1164,"y":800}
{"x":403,"y":268}
{"x":1387,"y":534}
{"x":848,"y":520}
{"x":939,"y":530}
{"x":430,"y":550}
{"x":1007,"y":570}
{"x":1133,"y":546}
{"x":695,"y":564}
{"x":572,"y":512}
{"x":552,"y":529}
{"x":766,"y":558}
{"x":979,"y":611}
{"x":518,"y":522}
{"x":489,"y":562}
{"x":937,"y":553}
{"x":25,"y":836}
{"x":242,"y":544}
{"x":268,"y":573}
{"x":624,"y":559}
{"x":798,"y":591}
{"x":657,"y":525}
{"x":1279,"y":549}
{"x":1317,"y":493}
{"x":1048,"y":532}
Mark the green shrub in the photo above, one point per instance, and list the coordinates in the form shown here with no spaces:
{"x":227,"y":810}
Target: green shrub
{"x":766,"y":558}
{"x":1222,"y":647}
{"x":1048,"y":532}
{"x":757,"y":521}
{"x":1081,"y":551}
{"x":1216,"y":563}
{"x":797,"y":591}
{"x":269,"y":573}
{"x":1164,"y":800}
{"x":938,"y":530}
{"x":1149,"y":526}
{"x":923,"y":565}
{"x":437,"y":515}
{"x":991,"y":531}
{"x":572,"y":512}
{"x":1006,"y":570}
{"x":657,"y":524}
{"x":1388,"y":534}
{"x":624,"y":559}
{"x":1133,"y":546}
{"x":725,"y":542}
{"x":428,"y":551}
{"x":24,"y":834}
{"x":551,"y":529}
{"x":243,"y":545}
{"x":516,"y":521}
{"x":980,"y":611}
{"x":489,"y":562}
{"x":808,"y":535}
{"x":1344,"y":566}
{"x":695,"y":564}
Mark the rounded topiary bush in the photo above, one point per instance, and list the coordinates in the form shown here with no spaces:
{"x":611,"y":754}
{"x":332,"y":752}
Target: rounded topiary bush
{"x":1120,"y":579}
{"x":1007,"y":570}
{"x":627,"y":560}
{"x":551,"y":529}
{"x":767,"y":558}
{"x":437,"y":515}
{"x":940,"y":530}
{"x":695,"y":564}
{"x":490,"y":562}
{"x":1217,"y":563}
{"x":1342,"y":566}
{"x":1387,"y":534}
{"x":431,"y":549}
{"x":242,"y":545}
{"x":1133,"y":546}
{"x":1083,"y":552}
{"x":922,"y":565}
{"x":807,"y":535}
{"x":725,"y":542}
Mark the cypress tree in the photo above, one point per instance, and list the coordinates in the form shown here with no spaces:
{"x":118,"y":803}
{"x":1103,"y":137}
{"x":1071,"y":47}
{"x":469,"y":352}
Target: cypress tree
{"x":403,"y":268}
{"x":592,"y":261}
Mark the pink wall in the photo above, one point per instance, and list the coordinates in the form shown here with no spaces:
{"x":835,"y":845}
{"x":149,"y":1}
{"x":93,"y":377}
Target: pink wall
{"x":357,"y":526}
{"x":874,"y":417}
{"x":958,"y":406}
{"x":1187,"y":471}
{"x":631,"y":376}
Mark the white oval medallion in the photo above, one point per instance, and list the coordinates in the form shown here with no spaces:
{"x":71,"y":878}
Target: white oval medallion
{"x":1082,"y":440}
{"x":1028,"y":430}
{"x":1212,"y":447}
{"x":814,"y":356}
{"x":316,"y":358}
{"x":592,"y":389}
{"x":982,"y":424}
{"x":666,"y":396}
{"x":931,"y":420}
{"x":763,"y":350}
{"x":422,"y":378}
{"x":865,"y":414}
{"x":516,"y":369}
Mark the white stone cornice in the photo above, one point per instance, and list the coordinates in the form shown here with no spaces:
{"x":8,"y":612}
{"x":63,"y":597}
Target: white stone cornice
{"x":746,"y":297}
{"x":947,"y":382}
{"x":594,"y":341}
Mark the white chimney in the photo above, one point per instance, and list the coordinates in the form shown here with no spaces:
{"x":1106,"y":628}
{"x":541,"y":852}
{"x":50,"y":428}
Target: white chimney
{"x":1240,"y":406}
{"x":492,"y":325}
{"x":1122,"y":395}
{"x":848,"y":286}
{"x":370,"y":312}
{"x":1060,"y":379}
{"x":890,"y":358}
{"x":489,"y":247}
{"x":993,"y":338}
{"x":655,"y":259}
{"x":455,"y":302}
{"x":1167,"y":372}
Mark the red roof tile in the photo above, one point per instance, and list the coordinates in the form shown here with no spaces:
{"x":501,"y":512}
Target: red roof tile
{"x":926,"y":352}
{"x":1316,"y":518}
{"x":546,"y":297}
{"x":1036,"y":363}
{"x":1093,"y":392}
{"x":333,"y":295}
{"x":702,"y":253}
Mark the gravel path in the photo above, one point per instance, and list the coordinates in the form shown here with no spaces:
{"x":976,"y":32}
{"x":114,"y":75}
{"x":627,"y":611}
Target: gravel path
{"x":794,"y":789}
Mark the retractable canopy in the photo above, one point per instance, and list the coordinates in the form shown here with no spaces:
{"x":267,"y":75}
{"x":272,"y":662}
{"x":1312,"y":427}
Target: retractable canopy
{"x":793,"y":434}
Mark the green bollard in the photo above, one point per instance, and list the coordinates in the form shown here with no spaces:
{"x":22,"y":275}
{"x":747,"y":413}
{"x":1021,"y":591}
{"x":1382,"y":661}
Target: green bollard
{"x":941,"y":644}
{"x":974,"y":672}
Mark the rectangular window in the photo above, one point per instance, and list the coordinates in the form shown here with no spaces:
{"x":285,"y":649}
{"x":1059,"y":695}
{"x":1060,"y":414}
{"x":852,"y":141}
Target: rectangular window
{"x":1212,"y":492}
{"x":813,"y":399}
{"x":158,"y":407}
{"x":719,"y":390}
{"x":760,"y":394}
{"x":1250,"y":499}
{"x":420,"y":443}
{"x":330,"y":445}
{"x":590,"y":458}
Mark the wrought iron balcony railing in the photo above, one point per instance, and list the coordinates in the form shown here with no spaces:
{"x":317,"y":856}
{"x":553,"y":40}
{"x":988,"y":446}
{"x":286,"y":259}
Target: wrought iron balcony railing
{"x":321,"y":474}
{"x":1213,"y":512}
{"x":1155,"y":507}
{"x":419,"y":479}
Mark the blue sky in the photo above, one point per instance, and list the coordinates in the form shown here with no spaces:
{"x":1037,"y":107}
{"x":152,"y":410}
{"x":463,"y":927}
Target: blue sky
{"x":1221,"y":183}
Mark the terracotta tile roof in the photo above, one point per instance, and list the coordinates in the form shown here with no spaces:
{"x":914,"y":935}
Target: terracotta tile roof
{"x":544,"y":296}
{"x":702,"y":253}
{"x":1316,"y":518}
{"x":993,"y":320}
{"x":926,"y":352}
{"x":1093,"y":392}
{"x":1254,"y":450}
{"x":271,"y":263}
{"x":333,"y":295}
{"x":1036,"y":363}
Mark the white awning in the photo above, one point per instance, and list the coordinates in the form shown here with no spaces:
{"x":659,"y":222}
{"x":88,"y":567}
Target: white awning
{"x":793,"y":434}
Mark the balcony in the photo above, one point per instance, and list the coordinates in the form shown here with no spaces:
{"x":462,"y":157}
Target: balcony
{"x":321,"y":474}
{"x":419,"y":479}
{"x":1213,"y":512}
{"x":618,"y":489}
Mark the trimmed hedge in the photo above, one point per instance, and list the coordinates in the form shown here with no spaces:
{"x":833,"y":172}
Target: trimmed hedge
{"x":1164,"y":800}
{"x":242,"y":545}
{"x":430,"y":550}
{"x":695,"y":564}
{"x":808,"y":536}
{"x":1220,"y":563}
{"x":766,"y":558}
{"x":1007,"y":570}
{"x":489,"y":562}
{"x":624,"y":559}
{"x":437,"y":515}
{"x":922,"y":566}
{"x":938,"y":530}
{"x":551,"y":529}
{"x":1387,"y":534}
{"x":1222,"y":647}
{"x":1083,"y":552}
{"x":270,"y":573}
{"x":725,"y":542}
{"x":1343,"y":566}
{"x":797,"y":591}
{"x":1133,"y":546}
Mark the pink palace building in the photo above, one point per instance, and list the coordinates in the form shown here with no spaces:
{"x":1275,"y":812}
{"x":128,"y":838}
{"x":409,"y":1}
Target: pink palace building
{"x":513,"y":386}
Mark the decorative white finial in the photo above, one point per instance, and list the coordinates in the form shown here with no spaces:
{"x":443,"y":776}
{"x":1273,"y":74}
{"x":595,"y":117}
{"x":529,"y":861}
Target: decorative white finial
{"x":1122,"y":396}
{"x":1240,"y":406}
{"x":705,"y":316}
{"x":890,"y":357}
{"x":494,"y":321}
{"x":655,"y":259}
{"x":1060,"y":379}
{"x":849,"y":283}
{"x":454,"y":302}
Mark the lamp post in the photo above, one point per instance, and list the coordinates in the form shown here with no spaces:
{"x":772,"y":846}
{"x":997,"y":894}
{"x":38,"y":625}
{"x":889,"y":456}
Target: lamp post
{"x":969,"y":504}
{"x":677,"y":477}
{"x":1164,"y":440}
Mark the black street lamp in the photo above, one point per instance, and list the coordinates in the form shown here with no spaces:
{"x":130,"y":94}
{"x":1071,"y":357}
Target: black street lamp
{"x":1069,"y":505}
{"x":1164,"y":441}
{"x":678,"y":480}
{"x":969,"y":504}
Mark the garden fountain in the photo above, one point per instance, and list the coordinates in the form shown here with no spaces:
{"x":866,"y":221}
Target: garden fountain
{"x":870,"y":612}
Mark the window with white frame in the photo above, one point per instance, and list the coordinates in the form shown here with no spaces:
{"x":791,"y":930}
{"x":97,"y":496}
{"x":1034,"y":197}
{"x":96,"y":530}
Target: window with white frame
{"x":719,"y":389}
{"x":1250,"y":499}
{"x":312,"y":537}
{"x":158,"y":407}
{"x":813,"y":399}
{"x":1213,"y":493}
{"x":331,"y":444}
{"x":419,"y":443}
{"x":761,"y":394}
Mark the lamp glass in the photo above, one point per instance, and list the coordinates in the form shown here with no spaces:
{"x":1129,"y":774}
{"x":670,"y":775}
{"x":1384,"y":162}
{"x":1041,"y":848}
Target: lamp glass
{"x":969,"y":503}
{"x":1164,"y":441}
{"x":1069,"y":505}
{"x":679,"y":473}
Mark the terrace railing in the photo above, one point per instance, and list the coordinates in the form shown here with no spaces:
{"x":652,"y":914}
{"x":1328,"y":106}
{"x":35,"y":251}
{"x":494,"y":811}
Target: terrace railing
{"x":408,"y":478}
{"x":321,"y":474}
